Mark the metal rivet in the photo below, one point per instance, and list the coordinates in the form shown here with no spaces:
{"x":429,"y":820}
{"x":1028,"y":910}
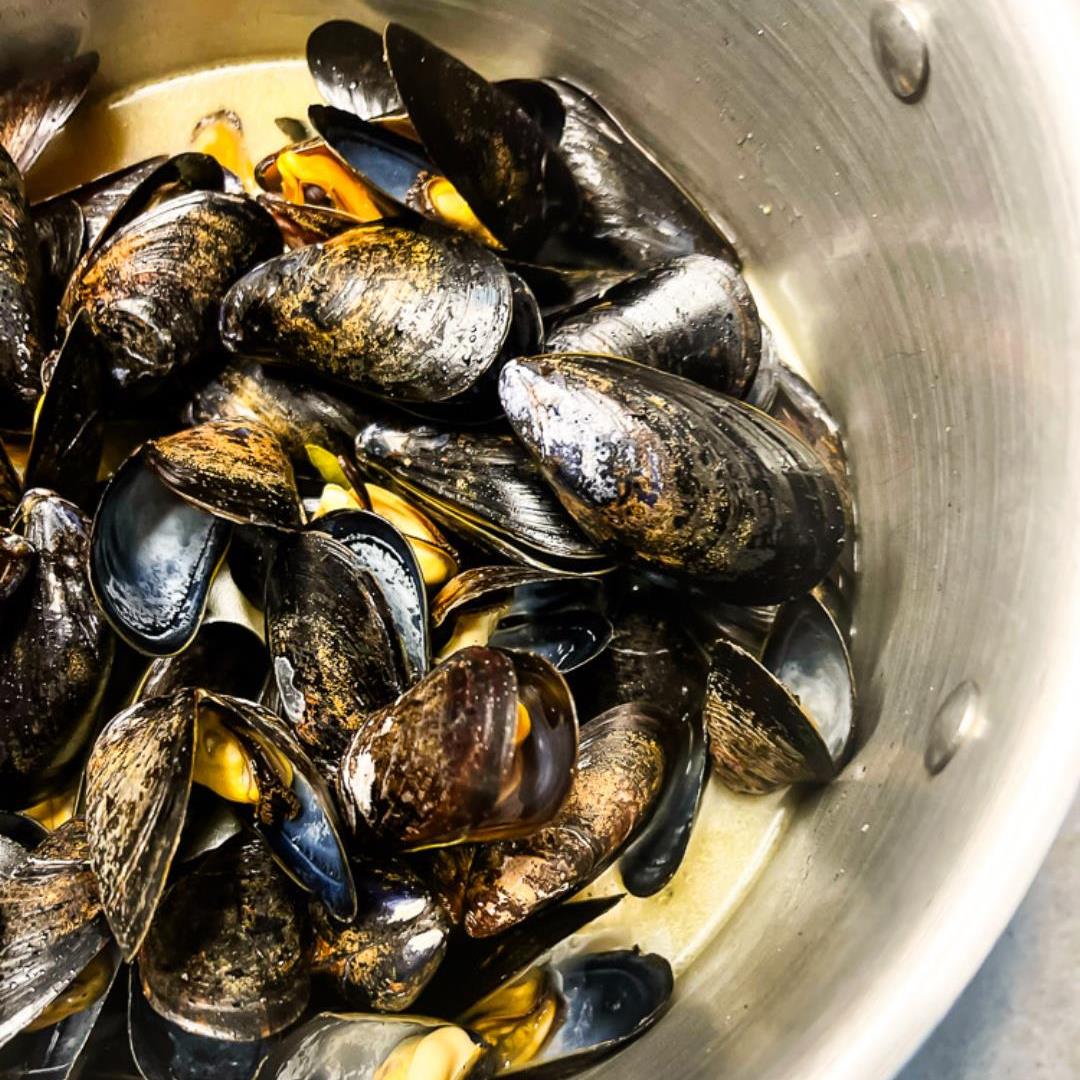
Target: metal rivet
{"x":955,"y":723}
{"x":899,"y":50}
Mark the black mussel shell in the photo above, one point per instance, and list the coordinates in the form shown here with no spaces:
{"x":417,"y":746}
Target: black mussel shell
{"x":298,"y":413}
{"x":632,"y":210}
{"x":445,"y":763}
{"x":384,"y":957}
{"x":603,"y":1001}
{"x":306,"y":223}
{"x":557,"y":616}
{"x":135,"y":829}
{"x":17,"y":557}
{"x":474,"y":967}
{"x":332,"y":641}
{"x":55,"y":651}
{"x":233,"y":469}
{"x":34,"y":110}
{"x":61,"y":233}
{"x":293,"y":128}
{"x":69,"y":430}
{"x":346,"y":62}
{"x":165,"y":1051}
{"x":153,"y":557}
{"x":51,"y":927}
{"x":51,"y":1052}
{"x":413,"y":316}
{"x":789,"y":717}
{"x":674,"y":476}
{"x":19,"y":835}
{"x":620,"y":774}
{"x":446,"y":870}
{"x":693,"y":316}
{"x":369,"y":1047}
{"x":481,"y":485}
{"x":560,"y":288}
{"x":492,"y":151}
{"x":190,"y":249}
{"x":224,"y":956}
{"x":10,"y":485}
{"x":385,"y":553}
{"x":224,"y":658}
{"x":21,"y":339}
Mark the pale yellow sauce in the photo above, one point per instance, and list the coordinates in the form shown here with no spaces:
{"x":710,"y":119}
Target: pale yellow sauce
{"x":736,"y":834}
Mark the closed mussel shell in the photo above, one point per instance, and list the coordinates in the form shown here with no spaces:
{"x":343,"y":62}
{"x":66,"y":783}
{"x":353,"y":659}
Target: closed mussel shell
{"x":481,"y":485}
{"x":556,"y":616}
{"x":620,"y":774}
{"x":413,"y":316}
{"x":21,"y":341}
{"x":224,"y":957}
{"x":331,"y":640}
{"x":384,"y":957}
{"x":674,"y":476}
{"x":153,"y":288}
{"x":480,"y":748}
{"x":51,"y":927}
{"x":492,"y":151}
{"x":789,"y":717}
{"x":56,"y":650}
{"x":346,"y":61}
{"x":693,"y":316}
{"x":386,"y":555}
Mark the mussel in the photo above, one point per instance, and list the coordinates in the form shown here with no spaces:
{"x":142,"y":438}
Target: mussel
{"x":347,"y":64}
{"x":671,"y":475}
{"x":693,"y":316}
{"x":224,"y":957}
{"x":55,"y":648}
{"x":410,"y":315}
{"x":241,"y":752}
{"x":557,"y":616}
{"x":153,"y":287}
{"x":481,"y":485}
{"x":620,"y":774}
{"x":384,"y":957}
{"x":787,"y":717}
{"x":164,"y":520}
{"x":482,"y":747}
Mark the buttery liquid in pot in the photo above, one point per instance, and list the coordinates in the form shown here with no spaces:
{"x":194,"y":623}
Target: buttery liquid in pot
{"x":735,"y":834}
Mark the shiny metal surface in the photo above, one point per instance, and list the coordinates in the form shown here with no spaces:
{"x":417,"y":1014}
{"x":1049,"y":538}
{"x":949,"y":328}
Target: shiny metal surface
{"x":926,"y":259}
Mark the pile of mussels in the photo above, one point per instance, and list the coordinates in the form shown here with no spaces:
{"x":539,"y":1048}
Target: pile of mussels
{"x":397,"y":531}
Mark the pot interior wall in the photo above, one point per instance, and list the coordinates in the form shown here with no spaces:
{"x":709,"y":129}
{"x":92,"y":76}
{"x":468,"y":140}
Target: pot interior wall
{"x":924,"y":259}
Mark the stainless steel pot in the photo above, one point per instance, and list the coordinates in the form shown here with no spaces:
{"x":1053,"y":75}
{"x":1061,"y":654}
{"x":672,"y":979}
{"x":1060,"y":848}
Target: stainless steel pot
{"x":926,"y":257}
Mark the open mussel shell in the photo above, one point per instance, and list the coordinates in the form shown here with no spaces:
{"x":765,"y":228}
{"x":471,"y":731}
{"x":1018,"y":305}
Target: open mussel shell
{"x":21,"y":338}
{"x":492,"y":151}
{"x":384,"y":957}
{"x":556,"y":616}
{"x":372,"y":1047}
{"x":620,"y":774}
{"x":413,"y":316}
{"x":727,"y":493}
{"x":224,"y":956}
{"x":475,"y":967}
{"x":69,"y":429}
{"x":346,"y":61}
{"x":165,"y":1051}
{"x":153,"y":288}
{"x":239,"y":750}
{"x":306,"y":223}
{"x":51,"y":927}
{"x":481,"y":748}
{"x":224,"y":658}
{"x":34,"y":110}
{"x":56,"y":650}
{"x":693,"y":316}
{"x":481,"y":485}
{"x":298,"y":413}
{"x":787,"y":718}
{"x":383,"y":551}
{"x":572,"y":1013}
{"x":332,"y":641}
{"x":632,"y":211}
